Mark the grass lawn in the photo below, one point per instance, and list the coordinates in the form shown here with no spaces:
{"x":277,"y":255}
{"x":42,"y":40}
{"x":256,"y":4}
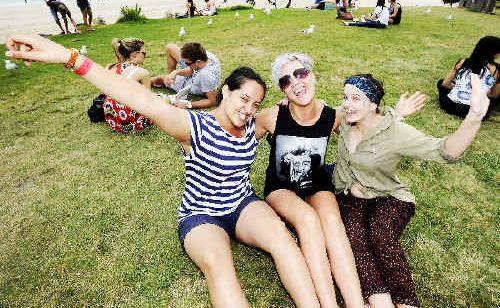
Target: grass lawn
{"x":89,"y":217}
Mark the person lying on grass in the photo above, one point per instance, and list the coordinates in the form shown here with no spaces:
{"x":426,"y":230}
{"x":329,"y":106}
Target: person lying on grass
{"x":130,"y":53}
{"x":298,"y":185}
{"x":455,"y":89}
{"x":374,"y":204}
{"x":199,"y":70}
{"x":219,"y":148}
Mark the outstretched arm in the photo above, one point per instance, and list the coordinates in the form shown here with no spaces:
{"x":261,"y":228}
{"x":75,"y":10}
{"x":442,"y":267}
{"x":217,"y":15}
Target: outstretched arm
{"x":457,"y":143}
{"x":174,"y":121}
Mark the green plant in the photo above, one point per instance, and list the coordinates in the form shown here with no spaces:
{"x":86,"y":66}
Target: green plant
{"x":132,"y":14}
{"x":234,"y":8}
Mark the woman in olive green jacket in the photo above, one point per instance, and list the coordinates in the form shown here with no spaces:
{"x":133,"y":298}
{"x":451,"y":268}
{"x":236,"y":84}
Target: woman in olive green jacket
{"x":375,"y":206}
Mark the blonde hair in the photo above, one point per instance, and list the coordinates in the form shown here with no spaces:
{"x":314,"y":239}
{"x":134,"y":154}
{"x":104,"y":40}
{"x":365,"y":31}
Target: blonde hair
{"x":285,"y":58}
{"x":125,"y":46}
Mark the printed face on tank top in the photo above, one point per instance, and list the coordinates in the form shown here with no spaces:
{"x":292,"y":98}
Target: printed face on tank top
{"x":297,"y":157}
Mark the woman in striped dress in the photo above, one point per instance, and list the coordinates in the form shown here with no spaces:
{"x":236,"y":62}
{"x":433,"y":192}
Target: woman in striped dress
{"x":219,"y":148}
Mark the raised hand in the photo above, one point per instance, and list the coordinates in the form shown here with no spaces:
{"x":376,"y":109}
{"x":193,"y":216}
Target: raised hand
{"x":36,"y":48}
{"x":479,"y":101}
{"x":409,"y":104}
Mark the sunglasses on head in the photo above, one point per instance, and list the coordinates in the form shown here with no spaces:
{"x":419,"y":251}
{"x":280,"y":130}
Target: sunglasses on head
{"x":300,"y":73}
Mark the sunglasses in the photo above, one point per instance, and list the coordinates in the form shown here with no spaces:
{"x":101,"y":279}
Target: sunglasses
{"x":143,"y":53}
{"x":300,"y":73}
{"x":189,"y":63}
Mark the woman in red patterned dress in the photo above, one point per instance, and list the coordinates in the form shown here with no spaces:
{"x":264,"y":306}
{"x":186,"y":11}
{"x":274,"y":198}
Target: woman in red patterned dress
{"x":130,"y":53}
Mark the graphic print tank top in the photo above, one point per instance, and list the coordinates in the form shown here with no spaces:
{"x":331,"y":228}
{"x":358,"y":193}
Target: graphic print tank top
{"x":297,"y":156}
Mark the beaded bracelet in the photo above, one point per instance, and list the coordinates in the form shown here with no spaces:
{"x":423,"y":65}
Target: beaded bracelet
{"x":72,"y":59}
{"x":85,"y":67}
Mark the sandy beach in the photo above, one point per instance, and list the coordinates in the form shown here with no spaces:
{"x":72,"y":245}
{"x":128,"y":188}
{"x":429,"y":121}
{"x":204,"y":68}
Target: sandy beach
{"x":33,"y":16}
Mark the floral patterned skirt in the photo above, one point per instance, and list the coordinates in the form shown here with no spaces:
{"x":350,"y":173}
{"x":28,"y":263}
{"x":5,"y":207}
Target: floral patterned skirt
{"x":121,"y":118}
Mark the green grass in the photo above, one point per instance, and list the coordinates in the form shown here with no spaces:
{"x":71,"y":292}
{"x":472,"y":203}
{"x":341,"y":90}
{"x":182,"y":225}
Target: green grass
{"x":88,"y":217}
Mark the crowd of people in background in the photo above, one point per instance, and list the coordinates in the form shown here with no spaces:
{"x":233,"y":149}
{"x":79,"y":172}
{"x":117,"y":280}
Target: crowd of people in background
{"x":349,"y":219}
{"x":484,"y":6}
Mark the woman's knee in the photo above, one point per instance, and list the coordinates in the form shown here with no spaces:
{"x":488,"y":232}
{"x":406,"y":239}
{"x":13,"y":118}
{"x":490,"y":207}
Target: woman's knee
{"x":282,"y":239}
{"x":309,"y":223}
{"x":210,"y":260}
{"x":331,"y":218}
{"x":171,"y":48}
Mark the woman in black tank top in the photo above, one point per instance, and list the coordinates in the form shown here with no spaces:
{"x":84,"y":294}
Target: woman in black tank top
{"x":297,"y":185}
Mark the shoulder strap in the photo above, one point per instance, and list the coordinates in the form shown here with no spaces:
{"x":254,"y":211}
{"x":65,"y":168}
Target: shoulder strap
{"x":282,"y":119}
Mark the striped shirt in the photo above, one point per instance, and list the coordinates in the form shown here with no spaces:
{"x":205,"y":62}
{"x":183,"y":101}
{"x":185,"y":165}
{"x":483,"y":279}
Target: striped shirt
{"x":217,"y":167}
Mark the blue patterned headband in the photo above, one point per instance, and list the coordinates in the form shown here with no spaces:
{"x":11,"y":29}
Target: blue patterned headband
{"x":367,"y":86}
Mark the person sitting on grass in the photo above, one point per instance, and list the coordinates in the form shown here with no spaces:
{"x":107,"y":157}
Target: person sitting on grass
{"x":395,"y":12}
{"x":191,"y":9}
{"x":378,"y":19}
{"x":325,"y":4}
{"x":297,"y":186}
{"x":198,"y":69}
{"x":59,"y":7}
{"x":86,"y":10}
{"x":375,"y":205}
{"x":130,"y":53}
{"x":455,"y":89}
{"x":209,"y":9}
{"x":219,"y":148}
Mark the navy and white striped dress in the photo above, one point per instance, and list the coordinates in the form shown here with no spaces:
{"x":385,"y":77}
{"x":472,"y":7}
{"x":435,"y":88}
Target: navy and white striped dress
{"x":217,"y":167}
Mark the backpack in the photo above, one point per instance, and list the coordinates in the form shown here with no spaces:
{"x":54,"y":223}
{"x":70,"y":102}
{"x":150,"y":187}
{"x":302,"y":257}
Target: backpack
{"x":96,"y":110}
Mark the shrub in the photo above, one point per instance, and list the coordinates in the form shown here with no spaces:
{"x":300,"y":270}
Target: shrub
{"x":132,"y":14}
{"x":234,"y":8}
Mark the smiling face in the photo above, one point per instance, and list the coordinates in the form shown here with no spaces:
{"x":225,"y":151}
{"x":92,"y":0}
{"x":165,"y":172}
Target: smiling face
{"x":356,"y":104}
{"x":240,"y":105}
{"x":300,"y":90}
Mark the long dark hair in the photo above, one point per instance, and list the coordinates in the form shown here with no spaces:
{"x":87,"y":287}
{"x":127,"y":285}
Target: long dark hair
{"x":482,"y":55}
{"x":380,"y":3}
{"x":238,"y":77}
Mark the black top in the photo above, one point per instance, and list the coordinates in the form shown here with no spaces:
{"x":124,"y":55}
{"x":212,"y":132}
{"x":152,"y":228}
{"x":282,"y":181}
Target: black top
{"x":397,"y":18}
{"x":297,"y":156}
{"x":192,"y":8}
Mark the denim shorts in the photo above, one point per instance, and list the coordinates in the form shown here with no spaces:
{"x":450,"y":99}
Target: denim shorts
{"x":226,"y":222}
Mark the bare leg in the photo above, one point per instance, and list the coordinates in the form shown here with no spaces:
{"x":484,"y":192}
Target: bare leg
{"x":209,"y":248}
{"x":74,"y":25}
{"x":90,"y":17}
{"x":259,"y":226}
{"x":312,"y":243}
{"x":84,"y":15}
{"x":66,"y":24}
{"x":338,"y":247}
{"x":380,"y":300}
{"x":173,"y":54}
{"x":60,"y":26}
